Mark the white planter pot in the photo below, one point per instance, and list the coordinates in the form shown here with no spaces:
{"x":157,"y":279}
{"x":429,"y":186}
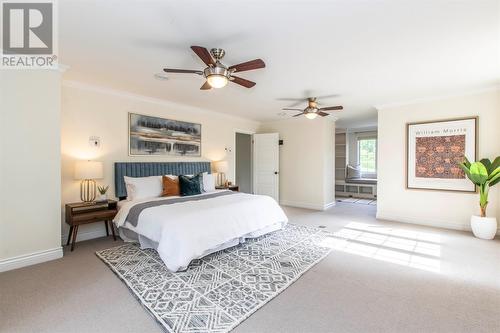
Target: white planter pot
{"x":102,"y":197}
{"x":483,"y":227}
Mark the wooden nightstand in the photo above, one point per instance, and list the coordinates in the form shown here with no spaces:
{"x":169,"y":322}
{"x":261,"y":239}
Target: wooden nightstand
{"x":83,"y":213}
{"x":235,"y":188}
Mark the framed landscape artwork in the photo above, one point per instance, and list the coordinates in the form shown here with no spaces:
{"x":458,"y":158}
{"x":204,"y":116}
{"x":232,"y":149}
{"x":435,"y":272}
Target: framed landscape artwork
{"x":153,"y":136}
{"x":434,"y":150}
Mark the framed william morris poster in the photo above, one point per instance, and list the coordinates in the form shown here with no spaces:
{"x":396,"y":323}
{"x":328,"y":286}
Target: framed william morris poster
{"x":433,"y":151}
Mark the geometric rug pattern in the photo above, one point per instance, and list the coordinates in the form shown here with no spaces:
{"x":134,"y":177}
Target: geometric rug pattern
{"x":219,"y":291}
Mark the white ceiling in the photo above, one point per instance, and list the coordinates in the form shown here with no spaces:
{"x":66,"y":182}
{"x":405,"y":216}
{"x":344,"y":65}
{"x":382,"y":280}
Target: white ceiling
{"x":368,"y":52}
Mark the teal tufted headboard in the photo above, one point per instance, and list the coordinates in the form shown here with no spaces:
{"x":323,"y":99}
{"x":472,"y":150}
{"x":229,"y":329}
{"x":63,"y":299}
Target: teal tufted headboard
{"x":145,"y":169}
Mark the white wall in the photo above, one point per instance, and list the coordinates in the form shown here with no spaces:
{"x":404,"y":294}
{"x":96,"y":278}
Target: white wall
{"x":93,"y":111}
{"x":437,"y":208}
{"x":30,"y":165}
{"x":307,"y":171}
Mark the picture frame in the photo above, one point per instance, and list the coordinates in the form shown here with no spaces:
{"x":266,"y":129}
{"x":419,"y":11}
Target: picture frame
{"x":433,"y":151}
{"x":156,"y":136}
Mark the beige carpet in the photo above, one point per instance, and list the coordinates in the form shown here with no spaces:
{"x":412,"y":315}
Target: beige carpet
{"x":380,"y":277}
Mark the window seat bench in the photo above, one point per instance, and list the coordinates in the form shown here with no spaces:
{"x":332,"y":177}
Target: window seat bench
{"x":368,"y":181}
{"x":356,"y":188}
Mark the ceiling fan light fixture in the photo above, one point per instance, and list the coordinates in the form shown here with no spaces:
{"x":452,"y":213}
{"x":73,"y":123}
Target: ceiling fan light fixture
{"x":311,"y":115}
{"x":217,"y":80}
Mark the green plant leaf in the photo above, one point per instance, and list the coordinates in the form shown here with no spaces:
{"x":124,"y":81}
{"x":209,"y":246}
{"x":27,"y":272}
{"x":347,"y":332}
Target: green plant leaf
{"x":465,"y":169}
{"x":466,"y":162}
{"x":495,"y":164}
{"x":493,"y":173}
{"x":487,"y":164}
{"x":478,"y":173}
{"x":496,"y":177}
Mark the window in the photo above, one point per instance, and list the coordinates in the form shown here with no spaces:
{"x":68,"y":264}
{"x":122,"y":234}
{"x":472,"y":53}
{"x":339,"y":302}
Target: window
{"x":367,"y":157}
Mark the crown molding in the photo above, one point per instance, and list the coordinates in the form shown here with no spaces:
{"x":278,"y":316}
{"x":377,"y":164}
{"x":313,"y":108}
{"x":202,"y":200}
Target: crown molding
{"x":147,"y":99}
{"x":381,"y":107}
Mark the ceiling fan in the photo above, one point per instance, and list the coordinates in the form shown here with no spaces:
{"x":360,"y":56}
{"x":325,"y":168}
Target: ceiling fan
{"x":217,"y":74}
{"x":312,"y":110}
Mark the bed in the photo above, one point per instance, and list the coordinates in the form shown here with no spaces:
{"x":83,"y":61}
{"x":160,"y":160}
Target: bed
{"x":182,"y":229}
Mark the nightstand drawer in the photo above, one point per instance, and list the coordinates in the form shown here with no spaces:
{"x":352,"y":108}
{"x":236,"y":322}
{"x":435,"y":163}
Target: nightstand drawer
{"x":93,"y":216}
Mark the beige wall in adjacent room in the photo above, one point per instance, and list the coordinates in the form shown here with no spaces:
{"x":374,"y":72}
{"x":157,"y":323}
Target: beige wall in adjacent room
{"x":93,"y":111}
{"x":30,"y":180}
{"x":307,"y":168}
{"x":437,"y":208}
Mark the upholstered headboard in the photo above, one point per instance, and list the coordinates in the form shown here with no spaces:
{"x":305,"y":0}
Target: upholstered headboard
{"x":145,"y":169}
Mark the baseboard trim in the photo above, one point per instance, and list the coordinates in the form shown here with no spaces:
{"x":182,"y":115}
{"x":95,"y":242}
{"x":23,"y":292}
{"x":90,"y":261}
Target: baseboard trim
{"x":306,"y":205}
{"x":86,"y":235}
{"x":328,"y":205}
{"x":425,"y":222}
{"x":30,"y":259}
{"x":421,"y":221}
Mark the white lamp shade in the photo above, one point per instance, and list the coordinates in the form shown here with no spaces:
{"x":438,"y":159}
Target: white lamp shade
{"x":221,"y":166}
{"x":88,"y":170}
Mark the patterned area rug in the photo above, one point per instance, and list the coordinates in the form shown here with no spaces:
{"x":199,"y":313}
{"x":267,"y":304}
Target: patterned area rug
{"x":219,"y":291}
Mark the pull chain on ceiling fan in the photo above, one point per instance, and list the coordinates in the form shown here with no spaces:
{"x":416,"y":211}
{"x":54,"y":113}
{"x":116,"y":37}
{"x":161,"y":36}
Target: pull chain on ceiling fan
{"x":217,"y":75}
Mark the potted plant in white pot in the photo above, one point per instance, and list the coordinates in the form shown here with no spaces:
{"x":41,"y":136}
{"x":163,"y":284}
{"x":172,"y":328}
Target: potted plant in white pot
{"x":484,"y":174}
{"x":102,"y":191}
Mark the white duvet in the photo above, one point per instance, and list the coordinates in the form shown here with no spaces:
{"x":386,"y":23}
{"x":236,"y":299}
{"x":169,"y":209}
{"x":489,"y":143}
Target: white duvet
{"x":184,"y":231}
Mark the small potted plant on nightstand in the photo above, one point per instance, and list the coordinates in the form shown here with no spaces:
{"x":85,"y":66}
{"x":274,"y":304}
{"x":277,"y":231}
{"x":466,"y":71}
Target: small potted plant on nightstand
{"x":484,"y":174}
{"x":102,"y":191}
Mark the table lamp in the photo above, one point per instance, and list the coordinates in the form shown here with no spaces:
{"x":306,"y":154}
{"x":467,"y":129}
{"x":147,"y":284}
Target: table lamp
{"x":87,"y":171}
{"x":221,"y":169}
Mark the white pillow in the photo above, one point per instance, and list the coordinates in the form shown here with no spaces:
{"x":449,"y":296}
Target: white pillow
{"x":208,"y":182}
{"x":143,"y":187}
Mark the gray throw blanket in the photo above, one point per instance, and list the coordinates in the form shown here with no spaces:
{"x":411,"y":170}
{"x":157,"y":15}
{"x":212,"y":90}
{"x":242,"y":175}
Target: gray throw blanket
{"x":135,"y":211}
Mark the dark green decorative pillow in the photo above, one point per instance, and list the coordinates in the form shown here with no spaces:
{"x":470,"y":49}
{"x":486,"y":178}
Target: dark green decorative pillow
{"x":190,"y":185}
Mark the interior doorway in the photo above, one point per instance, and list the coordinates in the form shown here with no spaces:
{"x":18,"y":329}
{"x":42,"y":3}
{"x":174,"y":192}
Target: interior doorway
{"x":244,"y":164}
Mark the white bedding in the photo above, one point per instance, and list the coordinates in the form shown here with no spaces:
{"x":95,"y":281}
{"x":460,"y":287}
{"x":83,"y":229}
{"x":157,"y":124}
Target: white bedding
{"x":184,"y":231}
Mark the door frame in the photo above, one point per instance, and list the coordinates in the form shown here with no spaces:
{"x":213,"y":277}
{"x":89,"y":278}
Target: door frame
{"x":251,"y":133}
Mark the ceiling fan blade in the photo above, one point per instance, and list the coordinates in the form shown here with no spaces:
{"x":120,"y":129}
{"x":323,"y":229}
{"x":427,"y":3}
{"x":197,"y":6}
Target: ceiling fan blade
{"x":291,"y":109}
{"x":182,"y":71}
{"x":327,"y":96}
{"x":242,"y":82}
{"x":203,"y":54}
{"x":206,"y":86}
{"x":322,"y":114}
{"x":291,"y":99}
{"x":298,"y":103}
{"x":248,"y":66}
{"x":299,"y":114}
{"x":332,"y":108}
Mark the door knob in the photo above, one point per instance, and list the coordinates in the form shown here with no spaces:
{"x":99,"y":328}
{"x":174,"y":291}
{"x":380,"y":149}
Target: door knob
{"x":275,"y":172}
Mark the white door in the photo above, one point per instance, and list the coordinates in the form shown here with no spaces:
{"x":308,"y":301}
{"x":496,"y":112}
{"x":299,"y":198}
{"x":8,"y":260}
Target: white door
{"x":266,"y":164}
